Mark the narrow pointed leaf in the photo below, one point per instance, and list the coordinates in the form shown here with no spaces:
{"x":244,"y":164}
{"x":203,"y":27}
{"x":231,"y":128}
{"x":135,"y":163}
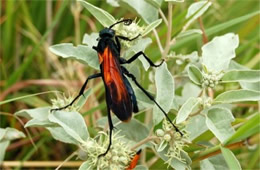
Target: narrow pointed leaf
{"x":148,"y":12}
{"x":187,"y":109}
{"x":82,"y":53}
{"x":83,"y":98}
{"x":230,"y":159}
{"x":214,"y":163}
{"x":249,"y":128}
{"x":237,"y":96}
{"x":199,"y":7}
{"x":102,"y":16}
{"x":151,"y":26}
{"x":195,"y":74}
{"x":241,"y":75}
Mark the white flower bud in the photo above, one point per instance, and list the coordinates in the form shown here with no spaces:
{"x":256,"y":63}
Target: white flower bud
{"x":211,"y":85}
{"x":167,"y":137}
{"x":159,"y":132}
{"x":123,"y":159}
{"x":206,"y":82}
{"x":115,"y":158}
{"x":108,"y":155}
{"x":179,"y":62}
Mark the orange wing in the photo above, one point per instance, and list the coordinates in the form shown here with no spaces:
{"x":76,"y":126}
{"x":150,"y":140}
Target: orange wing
{"x":134,"y":161}
{"x":120,"y":101}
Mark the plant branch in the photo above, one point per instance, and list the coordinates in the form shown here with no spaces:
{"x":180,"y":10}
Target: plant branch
{"x":22,"y":84}
{"x":149,"y":138}
{"x":67,"y":159}
{"x":21,"y":122}
{"x":216,"y":149}
{"x":158,"y":41}
{"x":163,"y":17}
{"x":169,"y":32}
{"x":204,"y":36}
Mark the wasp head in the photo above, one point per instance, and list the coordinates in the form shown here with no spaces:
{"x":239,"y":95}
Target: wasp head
{"x":107,"y":32}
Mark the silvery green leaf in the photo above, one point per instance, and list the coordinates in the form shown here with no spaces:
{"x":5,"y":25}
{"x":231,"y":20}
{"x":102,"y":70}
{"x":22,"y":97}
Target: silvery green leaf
{"x":142,"y":98}
{"x":85,"y":166}
{"x":175,"y":104}
{"x":102,"y":16}
{"x":2,"y":133}
{"x":82,"y":53}
{"x":241,"y":75}
{"x":3,"y":147}
{"x":189,"y":32}
{"x":139,"y":46}
{"x":10,"y":134}
{"x":90,"y":40}
{"x":39,"y":123}
{"x":134,"y":131}
{"x":250,"y":86}
{"x":196,"y":126}
{"x":114,"y":3}
{"x":38,"y":116}
{"x":174,"y":0}
{"x":72,"y":122}
{"x":195,"y":74}
{"x":164,"y":92}
{"x":233,"y":65}
{"x":83,"y":98}
{"x":245,"y":85}
{"x":151,"y":26}
{"x":141,"y":167}
{"x":230,"y":158}
{"x":186,"y":109}
{"x":214,"y":163}
{"x":233,"y":96}
{"x":162,"y":146}
{"x":189,"y":90}
{"x":199,"y":8}
{"x":148,"y":12}
{"x":217,"y":54}
{"x":219,"y":121}
{"x":155,"y":3}
{"x":60,"y":134}
{"x":38,"y":113}
{"x":175,"y":163}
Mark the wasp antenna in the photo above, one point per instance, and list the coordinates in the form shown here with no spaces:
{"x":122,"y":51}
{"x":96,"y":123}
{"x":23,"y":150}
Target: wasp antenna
{"x":125,"y":21}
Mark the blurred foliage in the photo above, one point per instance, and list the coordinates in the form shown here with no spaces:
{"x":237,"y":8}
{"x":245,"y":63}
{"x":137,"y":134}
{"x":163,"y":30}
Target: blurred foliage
{"x":29,"y":27}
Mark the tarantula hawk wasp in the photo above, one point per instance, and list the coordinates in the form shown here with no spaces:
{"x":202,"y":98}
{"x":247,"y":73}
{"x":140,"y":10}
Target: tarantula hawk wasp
{"x":120,"y":96}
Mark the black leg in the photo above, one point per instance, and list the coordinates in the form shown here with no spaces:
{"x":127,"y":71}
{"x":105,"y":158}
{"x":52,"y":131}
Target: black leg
{"x":111,"y":127}
{"x":130,"y":60}
{"x":118,"y":44}
{"x":126,"y":38}
{"x":81,"y":91}
{"x":150,"y":97}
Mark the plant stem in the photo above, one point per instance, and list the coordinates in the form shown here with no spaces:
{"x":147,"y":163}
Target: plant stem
{"x":204,"y":36}
{"x":158,"y":41}
{"x":169,"y":32}
{"x":163,"y":16}
{"x":216,"y":149}
{"x":145,"y":140}
{"x":67,"y":159}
